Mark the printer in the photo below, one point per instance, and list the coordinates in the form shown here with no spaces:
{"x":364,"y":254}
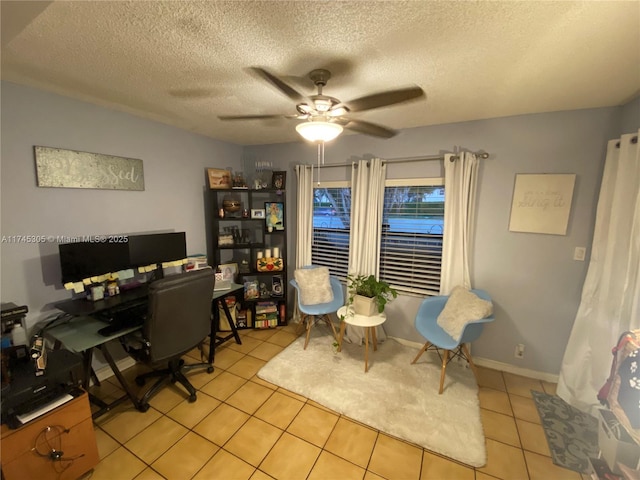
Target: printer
{"x":27,"y":391}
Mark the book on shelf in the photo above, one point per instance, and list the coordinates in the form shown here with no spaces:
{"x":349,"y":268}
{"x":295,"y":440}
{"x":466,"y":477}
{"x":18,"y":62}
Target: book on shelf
{"x":266,"y":315}
{"x":265,"y":323}
{"x":266,"y":307}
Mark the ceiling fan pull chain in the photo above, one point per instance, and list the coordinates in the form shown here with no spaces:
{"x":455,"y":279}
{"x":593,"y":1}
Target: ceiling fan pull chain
{"x":320,"y":156}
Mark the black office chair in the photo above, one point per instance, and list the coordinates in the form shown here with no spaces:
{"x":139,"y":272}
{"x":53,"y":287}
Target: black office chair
{"x":178,"y":320}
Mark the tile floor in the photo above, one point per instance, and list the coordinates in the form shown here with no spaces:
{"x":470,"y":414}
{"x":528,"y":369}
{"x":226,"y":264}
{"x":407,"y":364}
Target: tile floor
{"x":244,"y":428}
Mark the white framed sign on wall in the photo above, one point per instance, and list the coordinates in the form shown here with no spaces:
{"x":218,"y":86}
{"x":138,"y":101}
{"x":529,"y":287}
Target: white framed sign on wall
{"x":542,"y":203}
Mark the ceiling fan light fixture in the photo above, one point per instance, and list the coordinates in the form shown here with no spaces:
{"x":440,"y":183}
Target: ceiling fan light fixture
{"x":323,"y":105}
{"x":319,"y":131}
{"x":338,"y":111}
{"x":304,"y":108}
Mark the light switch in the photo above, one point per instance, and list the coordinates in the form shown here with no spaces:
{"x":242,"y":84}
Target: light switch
{"x":579,"y":253}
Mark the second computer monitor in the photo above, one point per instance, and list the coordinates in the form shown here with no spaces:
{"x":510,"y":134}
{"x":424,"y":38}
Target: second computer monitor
{"x":156,"y":248}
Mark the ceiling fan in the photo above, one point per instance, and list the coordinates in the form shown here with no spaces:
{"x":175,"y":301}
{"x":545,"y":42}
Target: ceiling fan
{"x":325,"y":116}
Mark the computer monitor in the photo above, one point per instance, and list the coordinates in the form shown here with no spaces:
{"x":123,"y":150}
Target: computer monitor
{"x":156,"y":248}
{"x":82,"y":260}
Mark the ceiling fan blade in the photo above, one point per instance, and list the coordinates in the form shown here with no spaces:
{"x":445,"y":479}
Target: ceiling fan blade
{"x":384,"y":98}
{"x":370,"y":129}
{"x":279,"y":84}
{"x":249,"y":117}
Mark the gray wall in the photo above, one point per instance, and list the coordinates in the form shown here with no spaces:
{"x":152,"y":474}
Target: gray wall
{"x":173,"y":200}
{"x":630,"y":117}
{"x":533,"y":279}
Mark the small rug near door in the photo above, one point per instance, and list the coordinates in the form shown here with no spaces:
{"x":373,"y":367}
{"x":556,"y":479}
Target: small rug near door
{"x":572,"y":435}
{"x":394,"y":397}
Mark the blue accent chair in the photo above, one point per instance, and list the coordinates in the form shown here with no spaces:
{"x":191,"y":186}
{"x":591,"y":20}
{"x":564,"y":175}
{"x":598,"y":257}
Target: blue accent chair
{"x":312,"y":313}
{"x":438,"y":339}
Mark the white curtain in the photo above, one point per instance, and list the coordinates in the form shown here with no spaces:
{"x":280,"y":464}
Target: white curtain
{"x":304,"y":223}
{"x":610,"y":303}
{"x":367,"y":202}
{"x":460,"y":182}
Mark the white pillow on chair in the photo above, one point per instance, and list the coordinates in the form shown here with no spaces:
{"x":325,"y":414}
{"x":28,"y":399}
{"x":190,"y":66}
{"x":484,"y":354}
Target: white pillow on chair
{"x":314,"y":284}
{"x":462,"y":307}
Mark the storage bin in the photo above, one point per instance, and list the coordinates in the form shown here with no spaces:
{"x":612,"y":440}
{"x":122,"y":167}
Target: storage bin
{"x":616,"y":445}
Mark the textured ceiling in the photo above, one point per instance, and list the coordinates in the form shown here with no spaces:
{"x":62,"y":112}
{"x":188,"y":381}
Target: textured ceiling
{"x":184,"y":63}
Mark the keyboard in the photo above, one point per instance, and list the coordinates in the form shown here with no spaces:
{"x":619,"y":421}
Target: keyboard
{"x":114,"y":313}
{"x":124,"y":318}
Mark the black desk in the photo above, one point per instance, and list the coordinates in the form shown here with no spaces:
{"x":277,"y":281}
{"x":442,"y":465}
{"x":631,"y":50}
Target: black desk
{"x":219,"y":297}
{"x":80,"y":334}
{"x":85,"y":307}
{"x":82,"y":306}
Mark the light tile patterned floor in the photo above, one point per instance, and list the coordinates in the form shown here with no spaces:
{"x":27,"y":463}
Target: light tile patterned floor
{"x":244,"y":428}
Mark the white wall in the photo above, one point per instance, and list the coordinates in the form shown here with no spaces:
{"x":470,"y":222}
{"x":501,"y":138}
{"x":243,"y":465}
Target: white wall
{"x":173,"y":200}
{"x":533,"y":279}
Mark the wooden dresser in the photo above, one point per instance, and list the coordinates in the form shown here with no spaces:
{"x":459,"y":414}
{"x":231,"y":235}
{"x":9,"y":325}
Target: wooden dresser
{"x":60,"y":444}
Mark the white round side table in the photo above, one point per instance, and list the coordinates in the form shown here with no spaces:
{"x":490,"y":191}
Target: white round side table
{"x":369,"y":324}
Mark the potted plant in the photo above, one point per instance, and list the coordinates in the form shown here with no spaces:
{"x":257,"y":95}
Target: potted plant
{"x":368,"y":295}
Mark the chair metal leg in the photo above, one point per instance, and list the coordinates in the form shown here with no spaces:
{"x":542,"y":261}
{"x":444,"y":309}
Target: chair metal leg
{"x":329,"y":323}
{"x":467,"y":354}
{"x":300,"y":326}
{"x":309,"y":320}
{"x":445,"y":360}
{"x":422,"y":350}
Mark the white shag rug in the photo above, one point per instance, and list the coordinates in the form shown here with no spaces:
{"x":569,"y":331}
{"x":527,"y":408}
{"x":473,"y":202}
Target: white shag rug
{"x":394,"y":397}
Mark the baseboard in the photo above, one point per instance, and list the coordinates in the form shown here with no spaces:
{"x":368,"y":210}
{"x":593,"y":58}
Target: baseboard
{"x":503,"y":367}
{"x":122,"y":364}
{"x":525,"y":372}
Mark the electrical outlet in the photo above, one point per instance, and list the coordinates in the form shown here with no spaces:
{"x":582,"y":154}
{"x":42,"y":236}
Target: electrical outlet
{"x":519,"y":351}
{"x":579,"y":253}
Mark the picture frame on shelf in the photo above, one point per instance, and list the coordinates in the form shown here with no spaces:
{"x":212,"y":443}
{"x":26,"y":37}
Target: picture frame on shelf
{"x":257,"y":213}
{"x":274,"y":215}
{"x":276,"y":286}
{"x":219,"y":178}
{"x":251,"y":291}
{"x":229,"y":271}
{"x":278,"y":180}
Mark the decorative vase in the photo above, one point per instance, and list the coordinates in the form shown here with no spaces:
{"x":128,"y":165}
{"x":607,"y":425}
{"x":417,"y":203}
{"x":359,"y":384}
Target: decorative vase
{"x":365,"y":306}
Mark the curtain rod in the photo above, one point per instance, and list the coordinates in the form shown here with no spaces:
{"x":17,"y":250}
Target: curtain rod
{"x":482,"y":155}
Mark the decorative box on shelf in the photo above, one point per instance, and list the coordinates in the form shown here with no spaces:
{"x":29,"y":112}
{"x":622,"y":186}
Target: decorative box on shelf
{"x":270,"y":264}
{"x":225,"y":240}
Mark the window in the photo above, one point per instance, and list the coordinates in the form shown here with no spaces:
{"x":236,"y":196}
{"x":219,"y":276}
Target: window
{"x":331,"y":227}
{"x":412,"y":228}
